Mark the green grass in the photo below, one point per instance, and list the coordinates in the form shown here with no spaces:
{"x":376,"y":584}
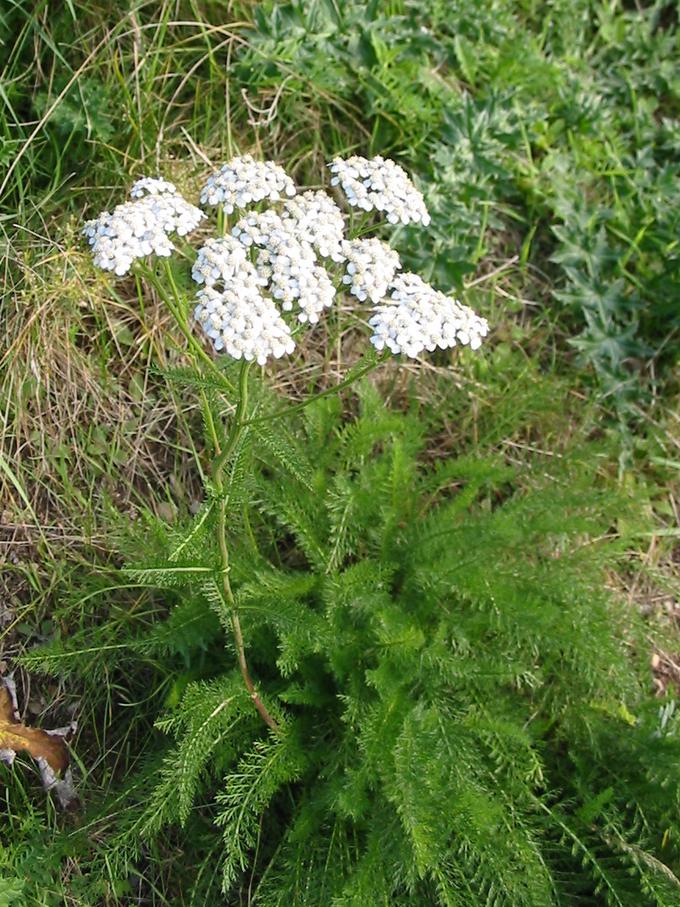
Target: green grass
{"x":545,"y":139}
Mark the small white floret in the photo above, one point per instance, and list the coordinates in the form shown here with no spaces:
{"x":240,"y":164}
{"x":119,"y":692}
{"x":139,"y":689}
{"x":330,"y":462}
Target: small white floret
{"x":150,"y":185}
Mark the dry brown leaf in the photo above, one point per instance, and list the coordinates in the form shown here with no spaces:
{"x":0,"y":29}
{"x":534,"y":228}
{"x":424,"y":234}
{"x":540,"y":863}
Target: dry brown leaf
{"x":48,"y":748}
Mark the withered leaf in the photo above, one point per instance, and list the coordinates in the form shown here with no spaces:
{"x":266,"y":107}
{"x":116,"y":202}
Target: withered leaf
{"x":48,"y":748}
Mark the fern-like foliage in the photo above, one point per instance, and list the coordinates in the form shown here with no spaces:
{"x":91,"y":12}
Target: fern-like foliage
{"x":464,"y":714}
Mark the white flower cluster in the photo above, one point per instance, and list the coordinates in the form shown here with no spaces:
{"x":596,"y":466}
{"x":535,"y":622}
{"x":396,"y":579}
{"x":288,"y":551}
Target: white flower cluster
{"x":291,"y":272}
{"x":141,"y":227}
{"x":380,"y":184}
{"x":371,"y":265}
{"x":243,"y":181}
{"x":287,"y":264}
{"x":221,"y":260}
{"x":150,"y":185}
{"x":265,"y":229}
{"x":242,"y":322}
{"x":287,"y":245}
{"x":418,"y":318}
{"x":280,"y":252}
{"x":318,"y":221}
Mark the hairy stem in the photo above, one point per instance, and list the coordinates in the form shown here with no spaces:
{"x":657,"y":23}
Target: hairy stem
{"x":218,"y":480}
{"x":236,"y":623}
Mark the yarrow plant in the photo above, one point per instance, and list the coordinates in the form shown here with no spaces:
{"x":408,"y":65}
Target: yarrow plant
{"x":409,"y":692}
{"x":279,"y":265}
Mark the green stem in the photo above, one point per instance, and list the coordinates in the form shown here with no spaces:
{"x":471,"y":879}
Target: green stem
{"x":240,"y":425}
{"x":236,"y":429}
{"x":219,"y":463}
{"x":209,"y":421}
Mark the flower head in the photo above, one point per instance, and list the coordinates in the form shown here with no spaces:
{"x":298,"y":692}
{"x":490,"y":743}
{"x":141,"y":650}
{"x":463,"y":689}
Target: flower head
{"x":294,"y":278}
{"x":243,"y":323}
{"x":380,"y":184}
{"x":150,"y":185}
{"x":223,"y":260}
{"x":232,"y":310}
{"x":371,"y":265}
{"x":243,"y":181}
{"x":418,"y":318}
{"x":317,"y":220}
{"x":265,"y":229}
{"x":287,"y":264}
{"x":139,"y":228}
{"x":279,"y":251}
